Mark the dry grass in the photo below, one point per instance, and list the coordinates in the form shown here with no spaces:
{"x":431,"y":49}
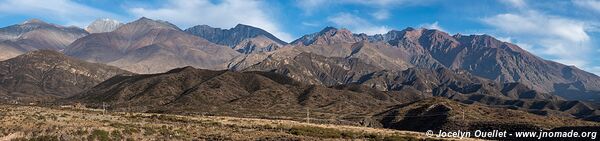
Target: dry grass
{"x":41,"y":123}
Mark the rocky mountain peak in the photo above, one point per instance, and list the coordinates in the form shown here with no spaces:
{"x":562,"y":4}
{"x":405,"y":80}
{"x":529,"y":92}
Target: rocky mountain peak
{"x":243,"y":26}
{"x":231,"y":37}
{"x":329,"y":35}
{"x":150,"y":23}
{"x":103,"y":25}
{"x":144,"y":25}
{"x":327,"y":29}
{"x":259,"y":43}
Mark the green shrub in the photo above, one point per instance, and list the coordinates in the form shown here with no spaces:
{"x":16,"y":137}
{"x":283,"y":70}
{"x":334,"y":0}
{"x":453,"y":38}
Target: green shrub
{"x":81,"y":132}
{"x":100,"y":135}
{"x":43,"y":138}
{"x":116,"y":135}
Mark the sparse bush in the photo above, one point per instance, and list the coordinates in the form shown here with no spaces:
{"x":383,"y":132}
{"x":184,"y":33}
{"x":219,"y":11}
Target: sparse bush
{"x":130,"y":131}
{"x":100,"y":135}
{"x":116,"y":135}
{"x":81,"y":132}
{"x":44,"y":138}
{"x":149,"y":131}
{"x":405,"y":138}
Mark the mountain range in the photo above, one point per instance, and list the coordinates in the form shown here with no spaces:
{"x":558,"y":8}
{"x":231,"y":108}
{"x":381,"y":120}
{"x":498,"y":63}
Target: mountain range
{"x":144,"y":44}
{"x":246,"y":71}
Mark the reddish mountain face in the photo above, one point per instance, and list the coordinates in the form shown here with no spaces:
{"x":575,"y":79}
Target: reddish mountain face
{"x":487,"y":57}
{"x":150,"y":46}
{"x":481,"y":55}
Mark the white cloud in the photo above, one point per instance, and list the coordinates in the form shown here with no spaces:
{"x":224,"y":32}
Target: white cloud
{"x":225,"y":14}
{"x":434,"y":25}
{"x":565,"y":40}
{"x":541,"y":25}
{"x":356,"y":24}
{"x":66,"y":11}
{"x":381,"y":14}
{"x":589,"y":4}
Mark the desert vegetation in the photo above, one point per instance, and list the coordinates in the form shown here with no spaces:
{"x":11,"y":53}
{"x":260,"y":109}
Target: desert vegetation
{"x":48,"y":124}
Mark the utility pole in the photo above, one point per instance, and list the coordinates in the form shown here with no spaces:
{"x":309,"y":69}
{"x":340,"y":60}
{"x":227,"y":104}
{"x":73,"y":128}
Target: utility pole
{"x":103,"y":107}
{"x":307,"y":115}
{"x":463,"y":115}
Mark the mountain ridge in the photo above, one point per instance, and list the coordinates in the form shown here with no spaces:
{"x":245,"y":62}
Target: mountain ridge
{"x":142,"y":45}
{"x":43,"y":75}
{"x":141,"y":42}
{"x":230,"y":37}
{"x":35,"y":34}
{"x":255,"y":93}
{"x":482,"y":55}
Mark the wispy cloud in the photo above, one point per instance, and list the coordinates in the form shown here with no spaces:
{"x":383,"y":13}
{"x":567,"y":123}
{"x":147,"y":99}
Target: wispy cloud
{"x":66,"y":11}
{"x":589,"y":4}
{"x":309,"y":6}
{"x":562,"y":39}
{"x":311,"y":24}
{"x":434,"y":25}
{"x":381,"y":14}
{"x":356,"y":24}
{"x":225,"y":14}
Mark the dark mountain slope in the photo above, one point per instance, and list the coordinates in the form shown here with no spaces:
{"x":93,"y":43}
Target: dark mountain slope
{"x":44,"y":75}
{"x":447,"y":115}
{"x":270,"y":95}
{"x":192,"y":90}
{"x":315,"y":69}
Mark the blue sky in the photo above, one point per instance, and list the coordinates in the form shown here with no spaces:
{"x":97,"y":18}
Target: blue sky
{"x":567,"y":31}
